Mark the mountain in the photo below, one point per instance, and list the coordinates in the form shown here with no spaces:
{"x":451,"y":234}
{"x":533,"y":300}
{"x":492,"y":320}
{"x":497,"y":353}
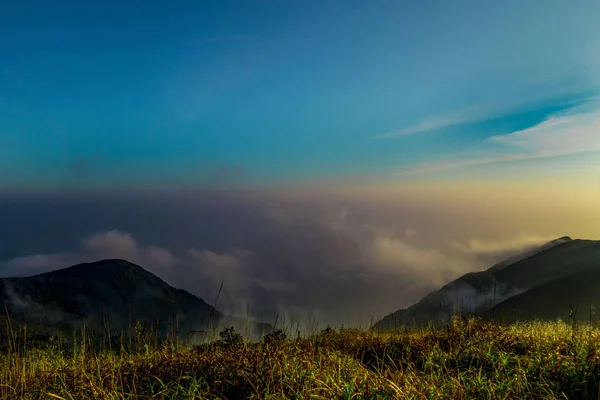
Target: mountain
{"x":529,"y":253}
{"x":509,"y":286}
{"x":108,"y":295}
{"x":552,"y":300}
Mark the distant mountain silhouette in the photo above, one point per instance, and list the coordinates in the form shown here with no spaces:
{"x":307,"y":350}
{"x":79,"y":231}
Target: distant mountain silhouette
{"x":532,"y":284}
{"x":108,"y":295}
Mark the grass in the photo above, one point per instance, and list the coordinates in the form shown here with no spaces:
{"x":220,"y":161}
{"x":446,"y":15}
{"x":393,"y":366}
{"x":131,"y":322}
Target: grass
{"x":468,"y":359}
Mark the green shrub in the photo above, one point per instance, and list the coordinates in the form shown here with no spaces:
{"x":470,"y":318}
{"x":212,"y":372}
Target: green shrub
{"x":275,"y":337}
{"x":230,"y":338}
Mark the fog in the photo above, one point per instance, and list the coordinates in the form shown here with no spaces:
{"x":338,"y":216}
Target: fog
{"x":334,"y":260}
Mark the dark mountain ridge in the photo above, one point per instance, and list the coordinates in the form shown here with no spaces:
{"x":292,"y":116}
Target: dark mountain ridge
{"x":508,"y":281}
{"x":578,"y":292}
{"x":108,"y":296}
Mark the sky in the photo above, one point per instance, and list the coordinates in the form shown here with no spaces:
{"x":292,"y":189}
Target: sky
{"x":360,"y":145}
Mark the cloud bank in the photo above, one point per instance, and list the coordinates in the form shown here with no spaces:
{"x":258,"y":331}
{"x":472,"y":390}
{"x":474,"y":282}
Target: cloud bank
{"x":331,"y":262}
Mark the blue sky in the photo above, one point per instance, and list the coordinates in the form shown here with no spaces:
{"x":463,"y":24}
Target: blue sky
{"x":187,"y":93}
{"x":425,"y":109}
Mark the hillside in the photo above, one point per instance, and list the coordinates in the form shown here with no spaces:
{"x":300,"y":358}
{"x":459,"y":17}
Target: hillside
{"x":478,"y":292}
{"x":529,"y":253}
{"x":552,"y":300}
{"x":106,"y":295}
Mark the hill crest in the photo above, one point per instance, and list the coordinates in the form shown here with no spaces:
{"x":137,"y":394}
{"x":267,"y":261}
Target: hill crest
{"x":477,"y":292}
{"x":110,"y":294}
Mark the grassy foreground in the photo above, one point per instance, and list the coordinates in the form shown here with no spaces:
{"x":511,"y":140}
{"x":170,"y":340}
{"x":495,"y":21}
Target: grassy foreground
{"x":469,"y":359}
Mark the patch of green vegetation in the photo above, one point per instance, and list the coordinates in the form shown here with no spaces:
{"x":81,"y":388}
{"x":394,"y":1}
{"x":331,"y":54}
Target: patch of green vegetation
{"x":467,"y":359}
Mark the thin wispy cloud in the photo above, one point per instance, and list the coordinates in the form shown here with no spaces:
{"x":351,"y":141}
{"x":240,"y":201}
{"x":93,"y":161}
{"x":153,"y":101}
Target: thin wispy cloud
{"x":431,"y":124}
{"x":576,"y":131}
{"x":570,"y":133}
{"x":477,"y":114}
{"x":456,"y":164}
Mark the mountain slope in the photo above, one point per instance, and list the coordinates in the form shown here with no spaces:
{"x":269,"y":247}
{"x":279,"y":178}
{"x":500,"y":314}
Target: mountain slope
{"x":109,"y":294}
{"x":552,"y":300}
{"x":529,"y":253}
{"x":479,"y":291}
{"x":560,"y":261}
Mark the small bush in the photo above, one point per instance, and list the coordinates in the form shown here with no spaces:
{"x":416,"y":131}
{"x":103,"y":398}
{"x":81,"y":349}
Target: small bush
{"x":230,"y":338}
{"x":328,"y":331}
{"x":275,"y":337}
